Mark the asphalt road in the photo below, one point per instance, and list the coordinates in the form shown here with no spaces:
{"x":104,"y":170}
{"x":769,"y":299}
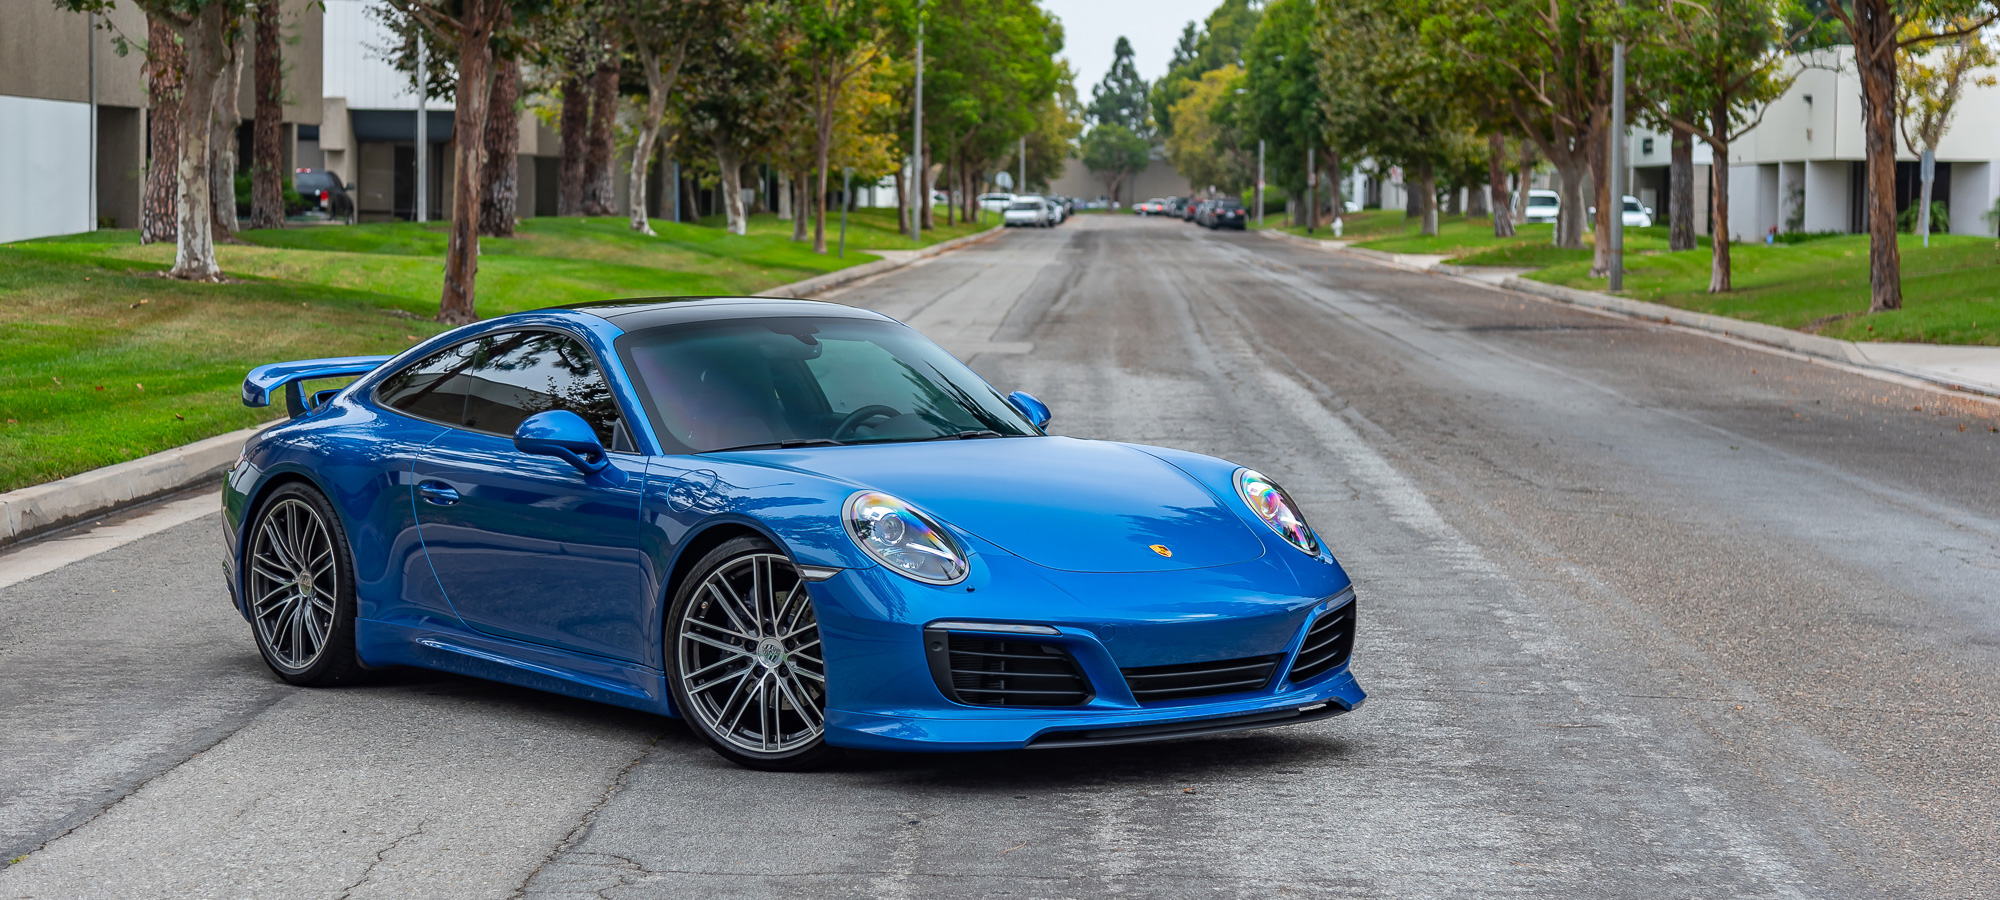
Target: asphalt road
{"x":1645,"y":614}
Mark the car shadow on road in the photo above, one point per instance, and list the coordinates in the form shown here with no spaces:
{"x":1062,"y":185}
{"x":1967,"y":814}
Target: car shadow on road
{"x":1190,"y":758}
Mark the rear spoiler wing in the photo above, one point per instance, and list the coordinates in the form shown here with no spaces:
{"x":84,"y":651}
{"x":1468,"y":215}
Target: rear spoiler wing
{"x":258,"y":385}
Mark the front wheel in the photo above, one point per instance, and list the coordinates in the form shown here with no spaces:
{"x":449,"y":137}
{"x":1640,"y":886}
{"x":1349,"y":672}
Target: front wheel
{"x":744,"y":659}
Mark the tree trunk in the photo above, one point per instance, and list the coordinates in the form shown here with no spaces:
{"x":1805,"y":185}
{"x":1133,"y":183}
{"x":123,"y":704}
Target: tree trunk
{"x":1570,"y":215}
{"x":1453,"y":205}
{"x":499,"y":181}
{"x":785,"y":198}
{"x":1427,"y":201}
{"x":1718,"y":193}
{"x":1413,"y":200}
{"x":1600,"y":183}
{"x":574,"y":125}
{"x":801,"y":208}
{"x":649,"y":136}
{"x":194,"y":245}
{"x":267,"y":157}
{"x":729,"y":162}
{"x":222,"y":142}
{"x":1680,"y":188}
{"x":929,"y":215}
{"x":1334,"y":204}
{"x":166,"y":85}
{"x":598,"y":196}
{"x":1496,"y":186}
{"x":475,"y":82}
{"x":1875,"y":56}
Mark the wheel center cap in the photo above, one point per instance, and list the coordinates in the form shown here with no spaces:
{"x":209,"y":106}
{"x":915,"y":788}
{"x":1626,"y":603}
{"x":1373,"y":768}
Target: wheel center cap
{"x":770,"y":653}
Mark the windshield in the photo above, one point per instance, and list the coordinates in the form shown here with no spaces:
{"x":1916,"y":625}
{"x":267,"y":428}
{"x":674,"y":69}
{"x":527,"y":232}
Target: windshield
{"x":775,"y":382}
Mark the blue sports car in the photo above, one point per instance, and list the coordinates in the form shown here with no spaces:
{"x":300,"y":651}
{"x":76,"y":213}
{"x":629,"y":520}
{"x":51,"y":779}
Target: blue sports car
{"x":797,"y":525}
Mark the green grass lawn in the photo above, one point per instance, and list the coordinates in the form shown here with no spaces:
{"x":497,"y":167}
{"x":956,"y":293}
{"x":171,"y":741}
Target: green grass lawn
{"x":104,"y":361}
{"x":1951,"y":291}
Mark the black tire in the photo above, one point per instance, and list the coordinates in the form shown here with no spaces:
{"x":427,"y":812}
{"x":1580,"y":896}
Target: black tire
{"x":298,"y":582}
{"x":784,"y":675}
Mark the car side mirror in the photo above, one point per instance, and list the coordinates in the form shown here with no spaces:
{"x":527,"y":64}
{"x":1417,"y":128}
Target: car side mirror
{"x":1036,"y":411}
{"x":565,"y":436}
{"x":1649,"y":210}
{"x":349,"y":188}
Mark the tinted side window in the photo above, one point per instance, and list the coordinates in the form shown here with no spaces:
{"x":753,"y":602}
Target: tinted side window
{"x":518,"y":374}
{"x":433,"y":387}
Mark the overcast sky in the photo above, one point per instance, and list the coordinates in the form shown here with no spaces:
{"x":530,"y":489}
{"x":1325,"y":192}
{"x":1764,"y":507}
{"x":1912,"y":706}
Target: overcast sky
{"x":1091,"y":27}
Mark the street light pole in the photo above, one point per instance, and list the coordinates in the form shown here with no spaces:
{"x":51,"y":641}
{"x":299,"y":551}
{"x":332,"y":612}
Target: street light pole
{"x":1024,"y":164}
{"x":1617,"y":210}
{"x":921,"y":194}
{"x":423,"y":136}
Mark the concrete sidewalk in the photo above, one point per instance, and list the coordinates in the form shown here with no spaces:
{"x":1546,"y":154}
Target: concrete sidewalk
{"x":1958,"y":367}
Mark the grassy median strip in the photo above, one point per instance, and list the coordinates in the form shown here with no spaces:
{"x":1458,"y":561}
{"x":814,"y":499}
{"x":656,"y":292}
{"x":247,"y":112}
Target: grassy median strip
{"x":104,"y":361}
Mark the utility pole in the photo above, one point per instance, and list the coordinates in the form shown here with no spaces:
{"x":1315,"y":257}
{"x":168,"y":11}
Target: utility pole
{"x":1617,"y":210}
{"x":921,"y":192}
{"x":1260,"y":182}
{"x":91,"y":37}
{"x":1024,"y":164}
{"x":423,"y":132}
{"x":846,"y":185}
{"x":1927,"y":168}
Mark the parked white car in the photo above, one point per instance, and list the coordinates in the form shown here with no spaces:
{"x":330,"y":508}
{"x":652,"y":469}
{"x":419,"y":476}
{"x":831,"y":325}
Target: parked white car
{"x":1028,"y":212}
{"x":1635,"y":214}
{"x":1543,"y":206}
{"x":997,"y":202}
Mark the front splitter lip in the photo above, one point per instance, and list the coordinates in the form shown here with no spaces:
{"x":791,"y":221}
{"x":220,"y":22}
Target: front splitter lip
{"x":962,"y":729}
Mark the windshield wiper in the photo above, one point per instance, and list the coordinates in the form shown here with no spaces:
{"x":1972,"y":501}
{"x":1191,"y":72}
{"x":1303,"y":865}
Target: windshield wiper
{"x":784,"y":444}
{"x":963,"y":435}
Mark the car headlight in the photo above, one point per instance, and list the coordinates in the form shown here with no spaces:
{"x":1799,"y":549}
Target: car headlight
{"x":903,"y":539}
{"x":1271,"y":504}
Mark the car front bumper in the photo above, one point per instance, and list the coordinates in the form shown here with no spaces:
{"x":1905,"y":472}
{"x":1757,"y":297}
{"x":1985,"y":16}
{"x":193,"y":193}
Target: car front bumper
{"x":889,"y":693}
{"x":1036,"y":729}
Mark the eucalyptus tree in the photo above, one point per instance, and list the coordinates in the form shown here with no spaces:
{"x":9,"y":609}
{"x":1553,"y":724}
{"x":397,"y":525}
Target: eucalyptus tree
{"x":734,"y":92}
{"x":1726,"y":60}
{"x":1283,"y":102}
{"x":1554,"y":58}
{"x":1113,"y":153}
{"x":469,"y":27}
{"x":1879,"y":31}
{"x":1930,"y":80}
{"x":659,"y":33}
{"x":267,"y":166}
{"x":199,"y":30}
{"x":1206,"y":147}
{"x":991,"y":81}
{"x":1387,"y":92}
{"x":836,"y":40}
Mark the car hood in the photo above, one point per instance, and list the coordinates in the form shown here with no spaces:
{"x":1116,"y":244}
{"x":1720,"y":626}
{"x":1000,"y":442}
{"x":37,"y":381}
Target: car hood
{"x":1062,"y":503}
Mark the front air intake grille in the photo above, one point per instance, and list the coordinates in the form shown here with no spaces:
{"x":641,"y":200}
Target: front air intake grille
{"x":982,"y":670}
{"x":1154,"y":684}
{"x":1327,"y":645}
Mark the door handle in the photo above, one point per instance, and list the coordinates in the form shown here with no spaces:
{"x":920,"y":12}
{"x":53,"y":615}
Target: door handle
{"x":437,"y":493}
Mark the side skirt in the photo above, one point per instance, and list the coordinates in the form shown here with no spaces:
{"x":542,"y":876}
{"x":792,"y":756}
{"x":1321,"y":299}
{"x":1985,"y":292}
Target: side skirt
{"x":513,"y":662}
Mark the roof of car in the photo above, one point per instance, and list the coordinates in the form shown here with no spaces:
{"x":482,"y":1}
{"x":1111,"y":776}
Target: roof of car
{"x":648,"y":312}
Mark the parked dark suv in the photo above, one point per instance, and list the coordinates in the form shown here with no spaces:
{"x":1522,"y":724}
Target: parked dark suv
{"x":323,"y":192}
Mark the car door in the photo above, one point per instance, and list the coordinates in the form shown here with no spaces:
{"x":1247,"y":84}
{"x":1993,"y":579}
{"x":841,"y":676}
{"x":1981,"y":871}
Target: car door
{"x":525,"y":546}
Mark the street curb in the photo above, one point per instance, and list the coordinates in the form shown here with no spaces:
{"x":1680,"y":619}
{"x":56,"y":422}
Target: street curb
{"x":44,"y":507}
{"x":1847,"y":353}
{"x":41,"y":508}
{"x":818,"y":283}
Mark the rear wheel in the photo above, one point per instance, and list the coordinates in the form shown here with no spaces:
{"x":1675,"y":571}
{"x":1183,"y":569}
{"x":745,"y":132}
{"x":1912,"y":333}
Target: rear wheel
{"x":744,"y":659}
{"x":298,"y":582}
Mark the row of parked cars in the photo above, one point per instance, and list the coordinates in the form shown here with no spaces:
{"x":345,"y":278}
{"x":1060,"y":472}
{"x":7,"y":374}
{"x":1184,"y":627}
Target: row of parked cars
{"x":1545,"y":206}
{"x":1029,"y":210}
{"x":1208,"y":212}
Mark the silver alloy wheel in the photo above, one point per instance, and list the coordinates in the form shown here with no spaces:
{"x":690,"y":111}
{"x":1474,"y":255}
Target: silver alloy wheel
{"x":293,"y":582}
{"x":749,"y":657}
